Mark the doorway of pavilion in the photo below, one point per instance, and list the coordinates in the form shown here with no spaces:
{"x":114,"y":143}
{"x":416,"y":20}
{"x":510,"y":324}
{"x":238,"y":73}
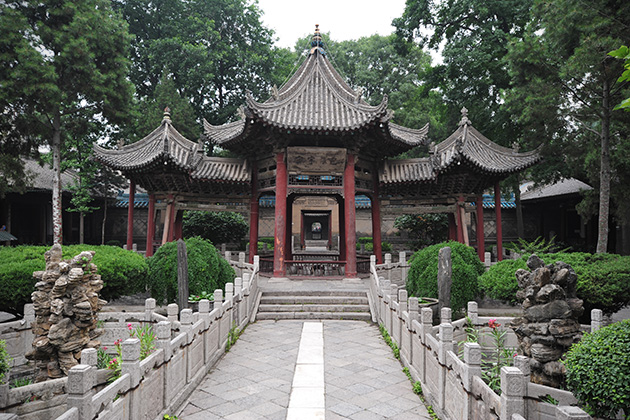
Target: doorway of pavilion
{"x":316,"y":230}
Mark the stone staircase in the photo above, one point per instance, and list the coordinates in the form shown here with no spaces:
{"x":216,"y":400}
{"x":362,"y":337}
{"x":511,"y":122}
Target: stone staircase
{"x":332,"y":304}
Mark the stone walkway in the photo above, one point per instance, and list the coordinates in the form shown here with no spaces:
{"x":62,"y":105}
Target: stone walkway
{"x":258,"y":379}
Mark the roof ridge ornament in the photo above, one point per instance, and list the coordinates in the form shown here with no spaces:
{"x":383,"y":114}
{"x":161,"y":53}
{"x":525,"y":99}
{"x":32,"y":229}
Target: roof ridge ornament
{"x":167,"y":115}
{"x":317,"y":45}
{"x":464,"y":120}
{"x":275,"y":94}
{"x":357,"y":95}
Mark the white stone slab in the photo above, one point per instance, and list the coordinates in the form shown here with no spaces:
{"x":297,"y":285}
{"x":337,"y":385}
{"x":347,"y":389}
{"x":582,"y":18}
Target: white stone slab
{"x":315,"y":327}
{"x":307,"y":398}
{"x":306,"y":414}
{"x":309,"y":376}
{"x":310,"y":355}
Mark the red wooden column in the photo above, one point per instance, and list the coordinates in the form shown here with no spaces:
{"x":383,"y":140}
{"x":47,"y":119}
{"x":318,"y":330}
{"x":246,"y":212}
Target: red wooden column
{"x":179,"y":224}
{"x":132,"y":198}
{"x":452,"y":227}
{"x":497,"y":210}
{"x":350,"y":217}
{"x":342,"y":229}
{"x":253,"y":215}
{"x":288,"y":250}
{"x":459,"y":220}
{"x":150,"y":226}
{"x":281,"y":214}
{"x":481,"y":245}
{"x":376,"y":217}
{"x":171,"y":225}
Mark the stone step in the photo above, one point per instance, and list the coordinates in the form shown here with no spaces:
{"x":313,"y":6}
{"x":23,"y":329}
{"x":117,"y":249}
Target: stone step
{"x":296,"y":293}
{"x":359,"y":316}
{"x":319,"y":300}
{"x":313,"y":308}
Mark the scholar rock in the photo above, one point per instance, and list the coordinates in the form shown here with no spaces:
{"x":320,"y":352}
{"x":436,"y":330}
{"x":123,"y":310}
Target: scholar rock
{"x":66,"y":305}
{"x":549,"y":323}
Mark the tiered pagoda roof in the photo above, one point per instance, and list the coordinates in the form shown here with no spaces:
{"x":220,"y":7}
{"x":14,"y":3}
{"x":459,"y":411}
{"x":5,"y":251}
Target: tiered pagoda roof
{"x":317,"y":100}
{"x":167,"y":161}
{"x":465,"y":163}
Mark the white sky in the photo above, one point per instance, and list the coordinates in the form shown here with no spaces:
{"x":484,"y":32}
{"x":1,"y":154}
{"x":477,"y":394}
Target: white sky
{"x":344,"y":19}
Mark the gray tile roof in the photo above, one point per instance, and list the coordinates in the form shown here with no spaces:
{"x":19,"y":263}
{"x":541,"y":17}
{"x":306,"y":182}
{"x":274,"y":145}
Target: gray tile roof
{"x":166,"y":145}
{"x":41,"y":176}
{"x":562,"y":187}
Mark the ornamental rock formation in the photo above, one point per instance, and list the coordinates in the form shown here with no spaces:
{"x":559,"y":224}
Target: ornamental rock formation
{"x":549,"y":325}
{"x":66,"y":302}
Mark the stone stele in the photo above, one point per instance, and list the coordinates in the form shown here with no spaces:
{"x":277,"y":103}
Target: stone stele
{"x":66,"y":303}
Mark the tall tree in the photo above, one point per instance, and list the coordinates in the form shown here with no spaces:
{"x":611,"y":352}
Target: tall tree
{"x":566,"y":86}
{"x":213,"y":50}
{"x":60,"y":58}
{"x":475,"y":35}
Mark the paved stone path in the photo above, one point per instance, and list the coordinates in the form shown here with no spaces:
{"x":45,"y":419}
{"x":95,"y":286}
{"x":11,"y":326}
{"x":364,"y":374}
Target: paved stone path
{"x":257,"y":379}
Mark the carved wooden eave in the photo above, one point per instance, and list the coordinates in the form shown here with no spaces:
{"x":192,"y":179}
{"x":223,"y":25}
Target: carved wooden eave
{"x":167,"y":161}
{"x":316,"y":101}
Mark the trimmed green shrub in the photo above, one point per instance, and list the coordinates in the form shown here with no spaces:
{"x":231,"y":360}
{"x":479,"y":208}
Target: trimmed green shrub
{"x":423,"y":229}
{"x":598,"y":368}
{"x":123,"y":272}
{"x":206,"y":271}
{"x":603,"y":279}
{"x":422,"y":277}
{"x":369,"y":244}
{"x":217,"y":227}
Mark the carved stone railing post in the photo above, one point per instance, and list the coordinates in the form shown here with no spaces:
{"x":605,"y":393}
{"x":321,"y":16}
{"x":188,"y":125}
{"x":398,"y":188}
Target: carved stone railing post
{"x":218,"y":300}
{"x":446,"y":315}
{"x":163,"y":339}
{"x":473,"y":312}
{"x":89,"y":357}
{"x":472,"y":358}
{"x":186,"y":319}
{"x":131,"y":360}
{"x":402,"y":301}
{"x":513,"y":391}
{"x":229,"y":293}
{"x":81,"y":379}
{"x":404,"y":267}
{"x":149,"y":307}
{"x":597,"y":319}
{"x":412,"y":308}
{"x":388,"y":265}
{"x":172,"y":312}
{"x":204,"y":312}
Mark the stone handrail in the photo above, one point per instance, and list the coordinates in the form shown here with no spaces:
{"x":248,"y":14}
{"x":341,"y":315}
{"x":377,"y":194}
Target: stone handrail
{"x":454,"y":387}
{"x":188,"y":344}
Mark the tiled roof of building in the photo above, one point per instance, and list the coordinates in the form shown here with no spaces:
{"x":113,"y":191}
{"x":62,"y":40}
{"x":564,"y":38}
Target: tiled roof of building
{"x":166,"y":145}
{"x":562,"y":187}
{"x":465,"y":145}
{"x":41,"y":176}
{"x":316,"y":99}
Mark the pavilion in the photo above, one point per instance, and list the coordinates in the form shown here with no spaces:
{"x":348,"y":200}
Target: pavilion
{"x":315,"y":136}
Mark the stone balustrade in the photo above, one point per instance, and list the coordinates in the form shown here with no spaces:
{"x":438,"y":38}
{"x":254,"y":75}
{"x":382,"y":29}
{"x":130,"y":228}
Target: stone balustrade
{"x":188,"y":344}
{"x":453,"y":386}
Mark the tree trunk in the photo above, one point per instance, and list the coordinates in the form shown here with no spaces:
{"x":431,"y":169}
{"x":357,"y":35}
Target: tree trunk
{"x":604,"y":176}
{"x":56,"y":187}
{"x":103,"y":224}
{"x":81,"y":227}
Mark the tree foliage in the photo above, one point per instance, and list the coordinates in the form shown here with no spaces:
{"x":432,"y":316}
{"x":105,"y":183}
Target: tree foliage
{"x":59,"y":59}
{"x":217,"y":227}
{"x":423,"y":229}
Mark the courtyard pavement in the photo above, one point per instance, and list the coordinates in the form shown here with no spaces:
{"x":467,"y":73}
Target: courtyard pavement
{"x":306,"y":370}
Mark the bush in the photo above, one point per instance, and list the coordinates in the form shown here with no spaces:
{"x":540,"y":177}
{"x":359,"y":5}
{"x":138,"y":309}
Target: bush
{"x":123,"y":272}
{"x":423,"y":229}
{"x":369,"y":244}
{"x":603,"y":279}
{"x":5,"y":362}
{"x":217,"y":227}
{"x":422,"y":278}
{"x":598,"y":368}
{"x":207,"y":271}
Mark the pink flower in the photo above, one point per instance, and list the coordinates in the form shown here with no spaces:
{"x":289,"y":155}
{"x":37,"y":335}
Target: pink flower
{"x":129,"y":326}
{"x":104,"y":348}
{"x":493,"y":324}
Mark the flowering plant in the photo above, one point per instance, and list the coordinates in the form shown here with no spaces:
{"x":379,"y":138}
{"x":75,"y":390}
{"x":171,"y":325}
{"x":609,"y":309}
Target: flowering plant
{"x":499,"y":357}
{"x":147,"y":338}
{"x":202,"y":295}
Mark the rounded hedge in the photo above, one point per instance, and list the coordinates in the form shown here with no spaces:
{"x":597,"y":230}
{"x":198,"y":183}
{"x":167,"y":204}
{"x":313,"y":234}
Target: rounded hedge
{"x":207,"y":271}
{"x":422,"y":277}
{"x":123,"y":272}
{"x":598,"y":368}
{"x":603,"y":279}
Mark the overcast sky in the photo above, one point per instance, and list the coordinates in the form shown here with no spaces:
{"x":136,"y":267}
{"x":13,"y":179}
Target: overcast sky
{"x":344,"y":19}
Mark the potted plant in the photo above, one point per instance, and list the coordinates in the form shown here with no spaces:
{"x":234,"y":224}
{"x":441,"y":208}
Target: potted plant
{"x":193,"y":300}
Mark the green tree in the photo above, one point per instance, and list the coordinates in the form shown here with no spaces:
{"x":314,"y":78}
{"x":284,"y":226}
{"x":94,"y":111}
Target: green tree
{"x":565,"y":89}
{"x":61,"y":58}
{"x":213,"y":51}
{"x":475,"y":35}
{"x":623,"y":53}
